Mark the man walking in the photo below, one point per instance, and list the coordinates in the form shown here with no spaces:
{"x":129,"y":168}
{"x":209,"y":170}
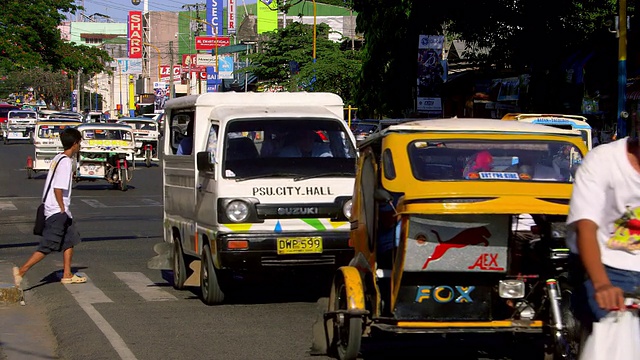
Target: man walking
{"x":59,"y":232}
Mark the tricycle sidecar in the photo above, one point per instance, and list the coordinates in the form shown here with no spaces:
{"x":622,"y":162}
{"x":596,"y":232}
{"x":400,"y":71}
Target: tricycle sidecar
{"x":437,"y":248}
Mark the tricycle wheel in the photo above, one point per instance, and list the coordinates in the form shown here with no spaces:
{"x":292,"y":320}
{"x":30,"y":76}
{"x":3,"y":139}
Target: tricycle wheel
{"x":209,"y":286}
{"x":123,"y":181}
{"x":179,"y":266}
{"x":347,"y":330}
{"x":147,"y":160}
{"x":29,"y":173}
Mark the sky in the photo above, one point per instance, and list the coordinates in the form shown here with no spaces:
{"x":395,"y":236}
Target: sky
{"x":118,"y":9}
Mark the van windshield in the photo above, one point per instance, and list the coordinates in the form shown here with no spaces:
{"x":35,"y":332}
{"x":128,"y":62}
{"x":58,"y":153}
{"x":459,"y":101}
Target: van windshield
{"x":287,"y":148}
{"x":551,"y":161}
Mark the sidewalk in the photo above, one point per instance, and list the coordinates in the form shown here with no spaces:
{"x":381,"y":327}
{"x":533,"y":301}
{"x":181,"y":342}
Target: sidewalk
{"x":24,"y":330}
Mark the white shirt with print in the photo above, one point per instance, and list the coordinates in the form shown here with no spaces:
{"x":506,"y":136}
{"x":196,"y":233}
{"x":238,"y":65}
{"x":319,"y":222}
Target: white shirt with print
{"x":61,"y":180}
{"x":607,"y":191}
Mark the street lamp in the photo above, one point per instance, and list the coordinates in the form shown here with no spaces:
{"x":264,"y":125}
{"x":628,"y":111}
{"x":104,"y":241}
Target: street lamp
{"x":157,"y":52}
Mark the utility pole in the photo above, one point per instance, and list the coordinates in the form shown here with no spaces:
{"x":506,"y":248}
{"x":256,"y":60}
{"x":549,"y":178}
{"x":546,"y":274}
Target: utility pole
{"x":172,"y":89}
{"x":622,"y":70}
{"x":284,"y":14}
{"x":79,"y":96}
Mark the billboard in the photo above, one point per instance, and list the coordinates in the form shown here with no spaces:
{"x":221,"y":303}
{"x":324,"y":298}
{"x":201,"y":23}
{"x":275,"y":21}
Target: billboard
{"x":164,"y":73}
{"x":214,"y":16}
{"x":129,"y":66}
{"x":134,"y":35}
{"x":190,"y":63}
{"x":211,"y":42}
{"x":231,"y":17}
{"x":225,"y":64}
{"x":267,"y":16}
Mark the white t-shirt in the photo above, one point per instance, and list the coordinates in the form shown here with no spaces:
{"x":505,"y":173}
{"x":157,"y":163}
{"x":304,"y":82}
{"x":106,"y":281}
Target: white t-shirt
{"x":607,"y":191}
{"x":62,"y":180}
{"x":522,"y":222}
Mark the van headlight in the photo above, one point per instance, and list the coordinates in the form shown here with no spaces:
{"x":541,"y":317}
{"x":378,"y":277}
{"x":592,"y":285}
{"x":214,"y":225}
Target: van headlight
{"x":511,"y":289}
{"x":346,"y":208}
{"x":237,"y":211}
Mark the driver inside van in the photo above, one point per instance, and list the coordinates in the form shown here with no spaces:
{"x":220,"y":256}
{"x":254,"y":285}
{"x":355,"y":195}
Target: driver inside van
{"x":305,"y":144}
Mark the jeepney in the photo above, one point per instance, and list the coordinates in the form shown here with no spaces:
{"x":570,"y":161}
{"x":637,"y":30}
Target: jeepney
{"x":20,"y":125}
{"x":435,"y":253}
{"x":146,"y":133}
{"x":262,"y":181}
{"x":46,"y":141}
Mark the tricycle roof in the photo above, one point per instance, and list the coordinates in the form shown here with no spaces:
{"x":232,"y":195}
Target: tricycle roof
{"x":136,"y":119}
{"x":106,"y":126}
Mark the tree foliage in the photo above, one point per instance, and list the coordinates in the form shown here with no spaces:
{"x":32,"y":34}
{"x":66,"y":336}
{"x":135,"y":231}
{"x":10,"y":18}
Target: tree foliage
{"x":54,"y":86}
{"x":31,"y":38}
{"x":522,"y":35}
{"x":286,"y":59}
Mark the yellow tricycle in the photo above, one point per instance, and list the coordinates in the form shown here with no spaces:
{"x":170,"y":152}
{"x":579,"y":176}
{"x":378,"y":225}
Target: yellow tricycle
{"x":437,"y":246}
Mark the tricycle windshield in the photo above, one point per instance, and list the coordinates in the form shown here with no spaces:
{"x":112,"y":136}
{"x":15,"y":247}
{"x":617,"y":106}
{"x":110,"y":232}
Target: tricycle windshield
{"x":485,"y":160}
{"x":107,"y":134}
{"x":297,"y":148}
{"x":22,"y":115}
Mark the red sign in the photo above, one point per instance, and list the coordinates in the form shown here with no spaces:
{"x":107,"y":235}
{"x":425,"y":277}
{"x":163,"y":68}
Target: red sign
{"x":189,"y":63}
{"x":486,"y":262}
{"x":164,"y":72}
{"x":211,"y":42}
{"x":134,"y":34}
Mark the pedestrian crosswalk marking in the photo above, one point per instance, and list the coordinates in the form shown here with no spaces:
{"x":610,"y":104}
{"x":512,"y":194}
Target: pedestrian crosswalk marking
{"x":94,"y":203}
{"x":142,"y":285}
{"x":143,"y":203}
{"x":7,"y":205}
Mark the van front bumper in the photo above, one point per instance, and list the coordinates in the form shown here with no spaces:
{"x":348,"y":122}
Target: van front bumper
{"x":262,"y":251}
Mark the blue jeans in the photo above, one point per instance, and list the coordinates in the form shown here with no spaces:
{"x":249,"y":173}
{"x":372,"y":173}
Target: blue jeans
{"x":628,"y":281}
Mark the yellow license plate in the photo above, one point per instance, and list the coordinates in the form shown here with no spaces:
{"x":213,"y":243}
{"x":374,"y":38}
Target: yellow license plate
{"x":299,"y":245}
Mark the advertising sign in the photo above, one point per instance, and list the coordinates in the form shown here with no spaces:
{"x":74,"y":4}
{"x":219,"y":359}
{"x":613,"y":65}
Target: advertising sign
{"x":431,"y":74}
{"x":164,"y":73}
{"x":267,"y":16}
{"x":211,"y":42}
{"x":225,"y":67}
{"x":212,"y":80}
{"x":129,"y":66}
{"x":190,"y":64}
{"x":231,"y":17}
{"x":134,"y":35}
{"x":161,"y":92}
{"x":214,"y":16}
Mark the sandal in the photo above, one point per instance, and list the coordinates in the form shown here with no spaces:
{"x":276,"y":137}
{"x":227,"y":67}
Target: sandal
{"x":75,"y":279}
{"x":17,"y":279}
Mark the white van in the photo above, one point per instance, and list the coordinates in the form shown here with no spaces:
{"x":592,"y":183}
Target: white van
{"x":262,"y":180}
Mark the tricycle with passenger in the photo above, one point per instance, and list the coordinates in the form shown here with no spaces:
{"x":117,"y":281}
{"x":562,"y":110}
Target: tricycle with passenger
{"x":106,"y":152}
{"x":435,"y":251}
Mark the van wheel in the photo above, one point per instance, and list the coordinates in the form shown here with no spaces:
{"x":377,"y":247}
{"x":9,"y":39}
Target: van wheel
{"x":179,"y":266}
{"x":209,"y":286}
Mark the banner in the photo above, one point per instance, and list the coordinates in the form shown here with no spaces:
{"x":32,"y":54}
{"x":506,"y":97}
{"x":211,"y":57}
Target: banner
{"x":431,"y":74}
{"x":214,"y":16}
{"x":189,"y":63}
{"x":267,"y":16}
{"x":161,"y":93}
{"x":212,"y":80}
{"x":231,"y":17}
{"x":225,"y":64}
{"x":134,"y":35}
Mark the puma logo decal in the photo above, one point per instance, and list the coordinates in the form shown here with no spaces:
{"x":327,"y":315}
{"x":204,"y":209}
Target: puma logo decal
{"x":467,"y":237}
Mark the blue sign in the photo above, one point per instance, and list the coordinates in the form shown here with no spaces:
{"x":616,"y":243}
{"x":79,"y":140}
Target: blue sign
{"x":214,"y":16}
{"x":212,"y":79}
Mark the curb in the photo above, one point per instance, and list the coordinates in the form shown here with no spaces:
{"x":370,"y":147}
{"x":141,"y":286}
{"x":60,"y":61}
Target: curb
{"x":9,"y":293}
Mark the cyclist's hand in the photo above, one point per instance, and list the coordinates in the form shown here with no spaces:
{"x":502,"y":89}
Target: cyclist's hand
{"x":610,"y":297}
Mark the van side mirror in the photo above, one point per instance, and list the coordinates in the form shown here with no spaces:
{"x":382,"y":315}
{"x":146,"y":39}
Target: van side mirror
{"x":203,"y":161}
{"x":382,"y":195}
